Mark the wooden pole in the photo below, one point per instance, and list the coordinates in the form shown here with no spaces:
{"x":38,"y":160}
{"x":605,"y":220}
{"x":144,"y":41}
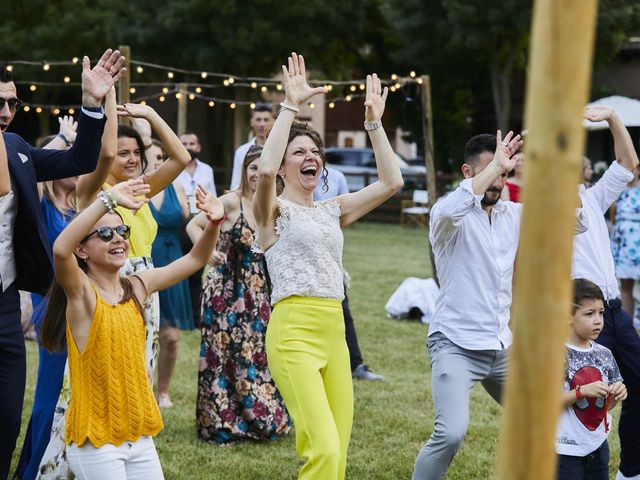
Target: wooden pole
{"x":427,"y":138}
{"x":182,"y":108}
{"x":557,"y":91}
{"x":124,"y":95}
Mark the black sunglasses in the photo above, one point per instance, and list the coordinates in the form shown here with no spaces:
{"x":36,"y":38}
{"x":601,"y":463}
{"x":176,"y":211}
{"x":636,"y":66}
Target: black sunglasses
{"x":106,"y":233}
{"x":14,"y":103}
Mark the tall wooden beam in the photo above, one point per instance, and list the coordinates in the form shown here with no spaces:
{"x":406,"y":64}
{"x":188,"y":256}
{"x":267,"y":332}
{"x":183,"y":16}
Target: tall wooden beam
{"x":182,"y":108}
{"x":427,"y":139}
{"x":557,"y":91}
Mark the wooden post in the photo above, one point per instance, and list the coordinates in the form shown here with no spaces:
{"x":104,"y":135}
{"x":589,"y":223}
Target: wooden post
{"x":182,"y":108}
{"x":557,"y":91}
{"x":124,"y":95}
{"x":427,"y":138}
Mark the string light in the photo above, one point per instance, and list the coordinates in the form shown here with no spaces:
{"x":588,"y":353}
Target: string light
{"x":278,"y":87}
{"x":26,"y":108}
{"x":75,"y":59}
{"x":192,"y":96}
{"x":198,"y":90}
{"x":362,"y":87}
{"x":252,"y":105}
{"x":226,"y":82}
{"x":71,"y":111}
{"x":231,"y":80}
{"x":32,"y":88}
{"x":419,"y":81}
{"x":139,"y":69}
{"x":170,"y":74}
{"x":143,"y":102}
{"x":232,"y":106}
{"x":254,"y":85}
{"x":397,"y":85}
{"x":203,"y":74}
{"x":211,"y":103}
{"x":39,"y":110}
{"x":348,"y":98}
{"x":9,"y":68}
{"x":352,"y":88}
{"x":328,"y":87}
{"x":263,"y":88}
{"x":312,"y":105}
{"x":165,"y":90}
{"x":332,"y":105}
{"x":394,"y":77}
{"x":45,"y":67}
{"x":67,"y":79}
{"x":161,"y":98}
{"x":412,"y":74}
{"x":392,"y":88}
{"x":132,"y":90}
{"x":56,"y":111}
{"x":179,"y":95}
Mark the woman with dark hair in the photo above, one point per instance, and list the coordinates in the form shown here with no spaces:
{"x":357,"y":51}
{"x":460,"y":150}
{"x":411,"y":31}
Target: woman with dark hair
{"x":237,"y":398}
{"x":60,"y":202}
{"x":170,"y":209}
{"x":302,"y":241}
{"x":97,"y":313}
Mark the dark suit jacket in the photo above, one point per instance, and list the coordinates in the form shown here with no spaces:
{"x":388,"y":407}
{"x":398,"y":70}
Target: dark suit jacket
{"x":28,"y":165}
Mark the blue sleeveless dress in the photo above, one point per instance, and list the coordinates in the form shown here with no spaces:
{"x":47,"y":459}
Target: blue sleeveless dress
{"x":50,"y":366}
{"x":175,"y":302}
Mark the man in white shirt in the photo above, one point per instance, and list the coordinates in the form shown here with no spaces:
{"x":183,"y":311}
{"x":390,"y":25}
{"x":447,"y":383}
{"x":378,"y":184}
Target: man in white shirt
{"x":474,"y":236}
{"x":261,"y":122}
{"x":593,"y":260}
{"x":333,"y":183}
{"x":196,"y":172}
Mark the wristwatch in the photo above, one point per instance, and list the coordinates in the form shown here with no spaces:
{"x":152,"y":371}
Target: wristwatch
{"x":368,"y":126}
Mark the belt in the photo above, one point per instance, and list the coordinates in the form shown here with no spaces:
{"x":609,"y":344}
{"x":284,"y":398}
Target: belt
{"x":613,"y":303}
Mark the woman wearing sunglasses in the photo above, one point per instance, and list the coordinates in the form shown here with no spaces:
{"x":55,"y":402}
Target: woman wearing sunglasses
{"x":97,"y":313}
{"x":237,"y":397}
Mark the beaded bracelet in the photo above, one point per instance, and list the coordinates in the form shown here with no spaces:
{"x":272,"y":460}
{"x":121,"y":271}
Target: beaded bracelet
{"x":107,"y":199}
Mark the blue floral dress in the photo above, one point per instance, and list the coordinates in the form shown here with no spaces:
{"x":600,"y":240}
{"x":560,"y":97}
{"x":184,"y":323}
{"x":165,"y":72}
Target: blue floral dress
{"x":237,"y":398}
{"x":625,"y":241}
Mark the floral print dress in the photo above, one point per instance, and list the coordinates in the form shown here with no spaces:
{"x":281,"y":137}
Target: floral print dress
{"x":625,"y":240}
{"x":237,"y":398}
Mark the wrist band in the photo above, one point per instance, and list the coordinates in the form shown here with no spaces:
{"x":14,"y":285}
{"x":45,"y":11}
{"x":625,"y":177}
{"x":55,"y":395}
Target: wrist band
{"x":64,"y":139}
{"x":220,"y":221}
{"x":579,"y":395}
{"x":284,"y":106}
{"x":369,"y":126}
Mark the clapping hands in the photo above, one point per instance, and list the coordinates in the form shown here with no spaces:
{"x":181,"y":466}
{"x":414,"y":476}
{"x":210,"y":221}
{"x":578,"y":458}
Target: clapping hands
{"x":296,"y":87}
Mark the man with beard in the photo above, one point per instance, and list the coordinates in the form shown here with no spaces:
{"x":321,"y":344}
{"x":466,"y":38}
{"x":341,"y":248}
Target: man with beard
{"x":195,"y":173}
{"x":474,"y":236}
{"x":261,"y":122}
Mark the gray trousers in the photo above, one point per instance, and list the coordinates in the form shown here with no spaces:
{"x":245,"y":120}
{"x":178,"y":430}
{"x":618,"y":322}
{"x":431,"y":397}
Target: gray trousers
{"x":454,"y":372}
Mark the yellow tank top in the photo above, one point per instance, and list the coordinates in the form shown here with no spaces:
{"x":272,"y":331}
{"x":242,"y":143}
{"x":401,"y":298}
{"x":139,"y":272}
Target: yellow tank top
{"x":111,"y":399}
{"x":143,"y":229}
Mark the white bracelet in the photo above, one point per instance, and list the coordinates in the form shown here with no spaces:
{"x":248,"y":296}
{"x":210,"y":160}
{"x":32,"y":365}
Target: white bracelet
{"x":108,"y":201}
{"x":284,"y":106}
{"x":369,"y":126}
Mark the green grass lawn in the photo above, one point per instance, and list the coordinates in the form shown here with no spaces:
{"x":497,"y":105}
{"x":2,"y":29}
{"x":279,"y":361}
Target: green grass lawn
{"x":393,"y":418}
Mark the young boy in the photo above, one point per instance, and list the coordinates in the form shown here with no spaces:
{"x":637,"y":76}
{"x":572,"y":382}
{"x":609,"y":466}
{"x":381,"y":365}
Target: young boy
{"x":593,"y":386}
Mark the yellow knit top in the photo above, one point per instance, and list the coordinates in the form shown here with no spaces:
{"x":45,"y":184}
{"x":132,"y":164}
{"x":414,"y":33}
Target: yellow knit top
{"x":143,"y":229}
{"x":111,"y":399}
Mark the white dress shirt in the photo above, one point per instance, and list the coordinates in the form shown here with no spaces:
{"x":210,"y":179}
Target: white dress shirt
{"x":203,"y":174}
{"x":336,"y":185}
{"x":238,"y":160}
{"x":474,"y":260}
{"x":592,"y":257}
{"x":8,"y":211}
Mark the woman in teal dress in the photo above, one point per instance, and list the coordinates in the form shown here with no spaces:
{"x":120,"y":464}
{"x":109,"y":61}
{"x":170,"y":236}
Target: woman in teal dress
{"x":170,"y":209}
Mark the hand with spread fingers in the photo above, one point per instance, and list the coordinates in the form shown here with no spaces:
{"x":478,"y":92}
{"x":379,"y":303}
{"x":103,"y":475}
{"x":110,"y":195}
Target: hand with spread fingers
{"x":598,"y":113}
{"x":135,"y":110}
{"x":375,"y":99}
{"x":296,"y":88}
{"x":505,"y":150}
{"x":68,"y":127}
{"x":97,"y":81}
{"x":131,"y":194}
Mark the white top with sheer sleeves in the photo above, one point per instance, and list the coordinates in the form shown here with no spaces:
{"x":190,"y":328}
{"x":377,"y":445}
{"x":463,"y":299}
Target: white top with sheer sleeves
{"x":307,"y":258}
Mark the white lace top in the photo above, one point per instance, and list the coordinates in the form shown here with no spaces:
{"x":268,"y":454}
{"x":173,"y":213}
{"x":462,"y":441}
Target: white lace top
{"x":307,"y":258}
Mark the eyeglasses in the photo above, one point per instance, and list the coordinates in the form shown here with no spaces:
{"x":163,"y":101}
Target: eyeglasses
{"x":14,"y":103}
{"x":106,"y":233}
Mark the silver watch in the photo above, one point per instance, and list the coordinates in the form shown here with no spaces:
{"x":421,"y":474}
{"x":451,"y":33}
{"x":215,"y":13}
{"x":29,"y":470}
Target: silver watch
{"x":368,"y":126}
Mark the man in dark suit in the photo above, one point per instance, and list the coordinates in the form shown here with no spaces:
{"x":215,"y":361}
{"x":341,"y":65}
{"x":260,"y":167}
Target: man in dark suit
{"x":25,"y":257}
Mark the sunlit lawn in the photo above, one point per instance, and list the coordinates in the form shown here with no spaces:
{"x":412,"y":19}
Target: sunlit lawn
{"x":392,"y":418}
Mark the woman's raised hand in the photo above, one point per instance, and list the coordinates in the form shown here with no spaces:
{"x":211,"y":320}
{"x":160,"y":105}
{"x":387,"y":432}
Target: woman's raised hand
{"x":132,"y":193}
{"x":135,"y":110}
{"x":296,"y":88}
{"x":208,"y":204}
{"x":375,"y":99}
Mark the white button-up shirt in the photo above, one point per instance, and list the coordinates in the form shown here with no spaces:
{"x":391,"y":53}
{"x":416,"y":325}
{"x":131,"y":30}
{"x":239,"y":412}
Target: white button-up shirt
{"x":8,"y":210}
{"x":592,"y":258}
{"x":474,"y":260}
{"x":203,"y":174}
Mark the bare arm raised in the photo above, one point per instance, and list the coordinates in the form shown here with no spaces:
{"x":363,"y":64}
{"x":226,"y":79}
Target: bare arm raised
{"x":178,"y":156}
{"x":355,"y":205}
{"x":297,"y":92}
{"x":622,"y":142}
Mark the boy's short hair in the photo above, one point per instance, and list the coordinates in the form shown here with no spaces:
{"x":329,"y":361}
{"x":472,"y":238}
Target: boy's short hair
{"x":584,"y":289}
